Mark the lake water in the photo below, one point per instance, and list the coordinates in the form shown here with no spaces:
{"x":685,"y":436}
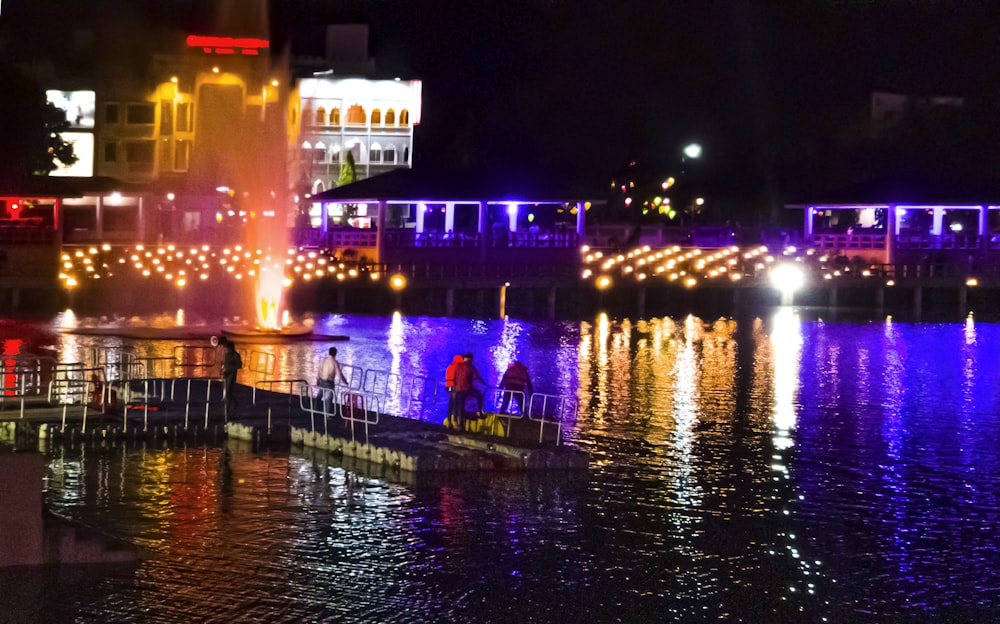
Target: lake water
{"x":767,"y":470}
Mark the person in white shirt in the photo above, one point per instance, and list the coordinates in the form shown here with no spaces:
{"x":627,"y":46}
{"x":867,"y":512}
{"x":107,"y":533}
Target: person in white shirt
{"x":329,"y":374}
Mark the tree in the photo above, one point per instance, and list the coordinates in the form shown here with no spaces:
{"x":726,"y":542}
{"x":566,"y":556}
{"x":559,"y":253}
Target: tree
{"x":347,"y":176}
{"x":31,"y":129}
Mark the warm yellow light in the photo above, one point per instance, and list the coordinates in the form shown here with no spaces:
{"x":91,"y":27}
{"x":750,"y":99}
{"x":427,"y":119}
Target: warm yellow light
{"x":972,"y":282}
{"x":397,"y":282}
{"x":689,"y":282}
{"x":603,"y":282}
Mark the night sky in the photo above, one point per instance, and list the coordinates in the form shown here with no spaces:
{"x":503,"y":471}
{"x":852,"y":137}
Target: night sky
{"x":588,"y":86}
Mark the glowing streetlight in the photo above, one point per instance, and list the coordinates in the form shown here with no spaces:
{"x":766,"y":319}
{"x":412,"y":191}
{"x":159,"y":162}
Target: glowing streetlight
{"x":692,"y":150}
{"x":397,"y":282}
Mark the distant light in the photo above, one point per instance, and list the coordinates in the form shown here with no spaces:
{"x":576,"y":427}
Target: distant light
{"x":222,"y":189}
{"x":603,"y":282}
{"x":215,"y":70}
{"x":170,"y":197}
{"x":700,"y":201}
{"x":173,"y":79}
{"x":972,"y":282}
{"x":397,"y":282}
{"x":115,"y":197}
{"x":955,"y":227}
{"x":274,"y":83}
{"x":788,"y":277}
{"x":692,"y":150}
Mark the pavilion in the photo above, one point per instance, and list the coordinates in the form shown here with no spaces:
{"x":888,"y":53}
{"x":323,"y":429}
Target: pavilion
{"x":902,"y":219}
{"x":456,"y":216}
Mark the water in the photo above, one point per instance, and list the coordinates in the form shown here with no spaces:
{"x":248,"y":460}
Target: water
{"x":767,"y":470}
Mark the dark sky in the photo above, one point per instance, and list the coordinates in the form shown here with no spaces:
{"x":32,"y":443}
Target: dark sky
{"x":589,"y":85}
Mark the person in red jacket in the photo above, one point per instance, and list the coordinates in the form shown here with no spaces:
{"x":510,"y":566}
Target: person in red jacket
{"x":449,"y":386}
{"x":466,"y":377}
{"x":517,"y":384}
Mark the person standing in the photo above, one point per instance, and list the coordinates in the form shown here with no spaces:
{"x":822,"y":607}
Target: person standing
{"x":449,"y":387}
{"x":516,"y":379}
{"x":329,"y":374}
{"x":231,"y":364}
{"x":466,"y":376}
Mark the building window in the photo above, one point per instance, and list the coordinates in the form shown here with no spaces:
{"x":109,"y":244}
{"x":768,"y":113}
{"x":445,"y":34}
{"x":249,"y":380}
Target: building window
{"x":140,"y":114}
{"x":140,"y":155}
{"x":166,"y":153}
{"x":335,"y":154}
{"x":390,"y":117}
{"x":182,"y":155}
{"x":319,"y":153}
{"x":390,"y":155}
{"x":320,"y":116}
{"x":183,"y":117}
{"x":166,"y":116}
{"x":356,"y":115}
{"x":334,"y":116}
{"x":111,"y":113}
{"x":404,"y":117}
{"x":406,"y":154}
{"x":111,"y":152}
{"x":377,"y":117}
{"x":375,"y":153}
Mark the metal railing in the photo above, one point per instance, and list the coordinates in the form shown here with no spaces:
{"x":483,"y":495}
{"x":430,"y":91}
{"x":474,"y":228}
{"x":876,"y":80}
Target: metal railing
{"x":551,"y":408}
{"x":292,"y":385}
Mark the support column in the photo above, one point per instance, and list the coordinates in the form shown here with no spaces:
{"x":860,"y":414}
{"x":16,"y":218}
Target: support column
{"x":449,"y":302}
{"x":140,"y":222}
{"x":481,"y":231}
{"x":449,"y":218}
{"x":324,"y":219}
{"x":810,"y":215}
{"x":99,"y":222}
{"x":503,"y":301}
{"x":552,"y":303}
{"x":984,"y":243}
{"x":512,"y":217}
{"x":380,"y":220}
{"x":891,"y":227}
{"x":581,"y":221}
{"x":421,"y":212}
{"x":938,"y":220}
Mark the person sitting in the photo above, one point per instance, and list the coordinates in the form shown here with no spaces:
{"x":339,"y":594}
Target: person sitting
{"x":516,"y":383}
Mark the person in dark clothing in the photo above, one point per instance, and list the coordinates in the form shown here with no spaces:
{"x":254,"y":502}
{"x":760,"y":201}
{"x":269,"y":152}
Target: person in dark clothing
{"x":466,"y":376}
{"x":517,"y":385}
{"x":231,"y":364}
{"x":449,"y":386}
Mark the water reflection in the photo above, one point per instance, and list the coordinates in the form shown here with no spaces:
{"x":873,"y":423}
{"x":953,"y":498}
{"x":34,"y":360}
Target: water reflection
{"x":753,"y":470}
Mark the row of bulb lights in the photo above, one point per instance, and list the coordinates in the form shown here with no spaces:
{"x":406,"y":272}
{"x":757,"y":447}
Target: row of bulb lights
{"x":182,"y":266}
{"x":687,"y":266}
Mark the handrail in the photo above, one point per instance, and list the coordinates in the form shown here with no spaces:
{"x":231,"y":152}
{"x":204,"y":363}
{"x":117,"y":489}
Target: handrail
{"x":563,"y":406}
{"x":292,"y":383}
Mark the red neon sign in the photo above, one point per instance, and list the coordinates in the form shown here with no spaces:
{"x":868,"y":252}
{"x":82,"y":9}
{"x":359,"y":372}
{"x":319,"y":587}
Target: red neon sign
{"x":227,"y":45}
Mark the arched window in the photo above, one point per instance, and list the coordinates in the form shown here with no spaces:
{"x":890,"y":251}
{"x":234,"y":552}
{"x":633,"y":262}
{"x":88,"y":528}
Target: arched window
{"x":375,"y":154}
{"x":335,"y":154}
{"x":320,"y":116}
{"x":356,"y":115}
{"x":390,"y":156}
{"x":335,"y":116}
{"x":390,"y":117}
{"x":406,"y":154}
{"x":318,"y":187}
{"x":404,"y":117}
{"x":319,"y":152}
{"x":377,"y":117}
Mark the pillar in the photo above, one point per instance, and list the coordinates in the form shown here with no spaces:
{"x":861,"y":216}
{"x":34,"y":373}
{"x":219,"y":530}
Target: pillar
{"x":552,"y":303}
{"x":938,"y":212}
{"x":421,"y":211}
{"x":984,"y":243}
{"x":99,"y":222}
{"x":140,"y":222}
{"x":891,"y":227}
{"x":324,"y":218}
{"x":449,"y":218}
{"x":810,"y":215}
{"x":481,"y":231}
{"x":503,"y":301}
{"x":581,"y":220}
{"x":449,"y":302}
{"x":512,"y":217}
{"x":380,"y":220}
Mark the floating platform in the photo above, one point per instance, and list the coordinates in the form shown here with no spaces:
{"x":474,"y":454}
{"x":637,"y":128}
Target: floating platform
{"x":276,"y":422}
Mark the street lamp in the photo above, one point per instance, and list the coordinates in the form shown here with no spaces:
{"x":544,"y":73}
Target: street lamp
{"x":692,"y":150}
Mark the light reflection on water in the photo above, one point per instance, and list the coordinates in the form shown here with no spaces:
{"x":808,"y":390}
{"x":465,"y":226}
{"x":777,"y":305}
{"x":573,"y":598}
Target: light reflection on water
{"x":760,"y":470}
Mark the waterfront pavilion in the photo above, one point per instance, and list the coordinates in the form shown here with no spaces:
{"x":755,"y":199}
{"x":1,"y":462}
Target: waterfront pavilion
{"x":452,"y":217}
{"x":906,"y":219}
